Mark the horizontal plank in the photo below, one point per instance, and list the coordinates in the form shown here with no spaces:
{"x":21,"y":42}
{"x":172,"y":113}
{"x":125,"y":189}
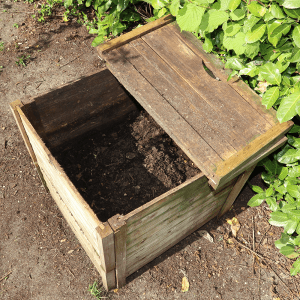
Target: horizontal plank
{"x":134,"y":34}
{"x":225,"y":100}
{"x":172,"y":87}
{"x":261,"y":144}
{"x":163,"y":113}
{"x":218,"y":68}
{"x":169,"y":234}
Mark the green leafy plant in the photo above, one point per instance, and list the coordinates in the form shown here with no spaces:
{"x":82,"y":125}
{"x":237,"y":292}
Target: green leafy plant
{"x":1,"y":46}
{"x":96,"y":291}
{"x":16,"y":25}
{"x":282,"y":175}
{"x":22,"y":61}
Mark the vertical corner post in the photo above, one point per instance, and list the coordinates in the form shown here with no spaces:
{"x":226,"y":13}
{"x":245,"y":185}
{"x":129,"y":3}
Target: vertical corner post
{"x":106,"y":248}
{"x":119,"y":227}
{"x":242,"y":179}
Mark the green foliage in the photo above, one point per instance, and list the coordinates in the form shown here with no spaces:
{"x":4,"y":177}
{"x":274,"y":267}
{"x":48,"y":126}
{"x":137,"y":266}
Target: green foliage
{"x":96,"y":291}
{"x":283,"y":196}
{"x":1,"y":46}
{"x":23,"y":60}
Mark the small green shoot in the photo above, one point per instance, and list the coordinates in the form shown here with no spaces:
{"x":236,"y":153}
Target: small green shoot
{"x":16,"y":25}
{"x":22,"y":60}
{"x":96,"y":291}
{"x":4,"y":10}
{"x":1,"y":46}
{"x":1,"y":68}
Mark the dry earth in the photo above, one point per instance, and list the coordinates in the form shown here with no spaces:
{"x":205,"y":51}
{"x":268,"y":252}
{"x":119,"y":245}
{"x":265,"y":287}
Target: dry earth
{"x":41,"y":259}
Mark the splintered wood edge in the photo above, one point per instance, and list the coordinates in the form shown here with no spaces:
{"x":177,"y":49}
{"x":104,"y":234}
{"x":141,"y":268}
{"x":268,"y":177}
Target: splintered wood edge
{"x":252,"y":148}
{"x":134,"y":34}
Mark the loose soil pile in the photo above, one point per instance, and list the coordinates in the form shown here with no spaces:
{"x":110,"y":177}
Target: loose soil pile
{"x":120,"y":169}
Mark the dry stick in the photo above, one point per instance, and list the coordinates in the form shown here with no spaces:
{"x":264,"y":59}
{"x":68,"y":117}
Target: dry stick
{"x":71,"y":60}
{"x":266,"y":259}
{"x":264,"y":235}
{"x":5,"y":275}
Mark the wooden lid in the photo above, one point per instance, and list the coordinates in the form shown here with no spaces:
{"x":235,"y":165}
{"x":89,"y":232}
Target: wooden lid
{"x":220,"y":125}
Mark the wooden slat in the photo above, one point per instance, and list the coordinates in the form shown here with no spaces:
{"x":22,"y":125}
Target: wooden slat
{"x":221,"y":97}
{"x":16,"y":115}
{"x":163,"y":113}
{"x":236,"y":190}
{"x":217,"y":67}
{"x":108,"y":278}
{"x":171,"y":231}
{"x":119,"y":227}
{"x":84,"y":215}
{"x":163,"y":78}
{"x":134,"y":34}
{"x":261,"y":145}
{"x":76,"y":108}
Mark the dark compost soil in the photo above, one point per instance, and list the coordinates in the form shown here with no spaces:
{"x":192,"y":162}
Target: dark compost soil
{"x":120,"y":169}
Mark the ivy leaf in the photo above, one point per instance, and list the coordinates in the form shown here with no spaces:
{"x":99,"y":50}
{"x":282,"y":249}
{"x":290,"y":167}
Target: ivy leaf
{"x":277,"y":12}
{"x":296,"y":35}
{"x":295,"y":171}
{"x":288,"y":155}
{"x":295,"y":55}
{"x":270,"y":97}
{"x":256,"y":9}
{"x":295,"y":142}
{"x":290,"y":226}
{"x":207,"y":45}
{"x":288,"y":250}
{"x":282,"y":241}
{"x":287,"y":108}
{"x":234,"y":63}
{"x":224,"y":4}
{"x":157,"y":4}
{"x":296,"y":268}
{"x":295,"y":129}
{"x":276,"y":35}
{"x":174,"y":7}
{"x":251,"y":70}
{"x":216,"y":18}
{"x":291,"y":4}
{"x":270,"y":73}
{"x":271,"y":201}
{"x":232,"y":29}
{"x":189,"y":17}
{"x":257,"y":200}
{"x":97,"y":41}
{"x":252,"y":49}
{"x":233,"y":4}
{"x":283,"y":173}
{"x":237,"y":15}
{"x":269,"y":192}
{"x":256,"y":33}
{"x":293,"y":13}
{"x":249,"y":23}
{"x":278,"y":218}
{"x":257,"y":189}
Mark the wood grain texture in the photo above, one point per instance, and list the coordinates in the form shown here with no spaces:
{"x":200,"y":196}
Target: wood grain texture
{"x":134,"y":34}
{"x":165,"y":80}
{"x":163,"y":113}
{"x":222,"y":98}
{"x":108,"y":278}
{"x":253,"y":152}
{"x":81,"y":211}
{"x":236,"y":190}
{"x":119,"y":227}
{"x":147,"y":242}
{"x":218,"y":68}
{"x":78,"y":107}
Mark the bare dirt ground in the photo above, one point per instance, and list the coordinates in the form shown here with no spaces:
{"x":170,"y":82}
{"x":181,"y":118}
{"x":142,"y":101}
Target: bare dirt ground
{"x":41,"y":259}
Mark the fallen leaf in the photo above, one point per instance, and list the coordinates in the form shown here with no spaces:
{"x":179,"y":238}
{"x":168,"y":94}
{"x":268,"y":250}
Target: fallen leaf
{"x":116,"y":291}
{"x":262,"y":86}
{"x":78,"y":176}
{"x":185,"y":285}
{"x":235,"y":225}
{"x":230,"y":241}
{"x":63,"y":240}
{"x":69,"y":252}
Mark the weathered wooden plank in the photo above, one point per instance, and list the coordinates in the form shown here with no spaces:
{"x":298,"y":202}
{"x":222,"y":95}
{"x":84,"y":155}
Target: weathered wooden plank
{"x":78,"y":107}
{"x":163,"y":113}
{"x":252,"y":152}
{"x":16,"y":115}
{"x":176,"y":96}
{"x":236,"y":190}
{"x":134,"y":34}
{"x":222,"y":97}
{"x":119,"y":227}
{"x":108,"y":278}
{"x":217,"y":67}
{"x":84,"y":215}
{"x":169,"y":234}
{"x":187,"y":99}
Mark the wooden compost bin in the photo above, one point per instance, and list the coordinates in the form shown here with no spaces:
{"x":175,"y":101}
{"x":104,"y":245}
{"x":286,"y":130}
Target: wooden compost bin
{"x":221,"y":126}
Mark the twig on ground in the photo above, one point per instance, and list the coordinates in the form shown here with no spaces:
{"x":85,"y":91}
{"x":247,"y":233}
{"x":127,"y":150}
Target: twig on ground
{"x":264,"y":235}
{"x":71,"y":60}
{"x":266,"y":260}
{"x":3,"y":277}
{"x":253,"y":233}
